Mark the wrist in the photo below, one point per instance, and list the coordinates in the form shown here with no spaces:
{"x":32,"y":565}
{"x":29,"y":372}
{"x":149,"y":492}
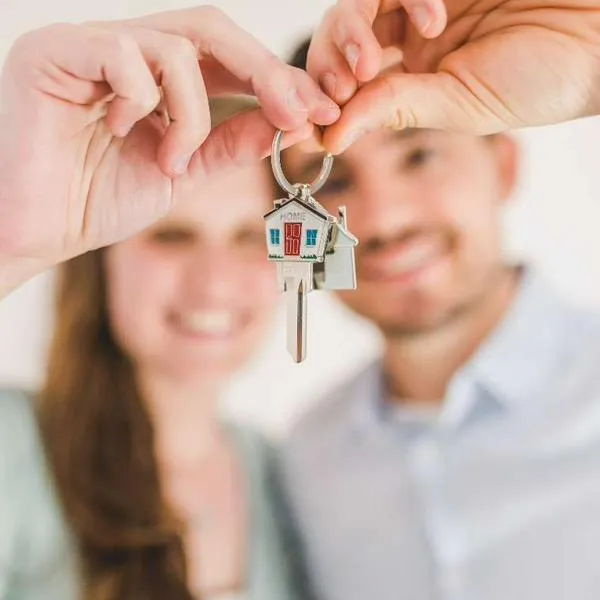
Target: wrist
{"x":15,"y":271}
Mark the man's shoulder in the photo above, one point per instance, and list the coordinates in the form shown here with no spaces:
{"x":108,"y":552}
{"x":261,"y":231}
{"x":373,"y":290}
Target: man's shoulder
{"x":576,"y":320}
{"x":579,"y":366}
{"x":546,"y":331}
{"x":580,"y":331}
{"x":332,"y":417}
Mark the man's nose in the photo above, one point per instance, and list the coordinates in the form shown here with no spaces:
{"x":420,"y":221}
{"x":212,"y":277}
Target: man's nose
{"x":386,"y":205}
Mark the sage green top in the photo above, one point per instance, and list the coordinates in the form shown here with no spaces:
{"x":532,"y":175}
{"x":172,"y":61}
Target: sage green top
{"x":37,"y":553}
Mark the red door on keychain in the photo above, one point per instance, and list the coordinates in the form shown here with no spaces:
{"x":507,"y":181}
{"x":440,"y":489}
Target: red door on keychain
{"x":293,"y":234}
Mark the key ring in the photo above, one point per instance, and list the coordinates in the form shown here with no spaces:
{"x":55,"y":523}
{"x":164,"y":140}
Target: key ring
{"x":283,"y":181}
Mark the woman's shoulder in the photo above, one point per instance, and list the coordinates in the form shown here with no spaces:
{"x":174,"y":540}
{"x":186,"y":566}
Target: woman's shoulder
{"x":252,"y":444}
{"x":20,"y":444}
{"x":25,"y":482}
{"x":259,"y":455}
{"x":278,"y":564}
{"x":35,"y":545}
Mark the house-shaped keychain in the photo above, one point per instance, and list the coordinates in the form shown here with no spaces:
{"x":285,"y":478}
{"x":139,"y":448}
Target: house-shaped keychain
{"x":312,"y":248}
{"x":318,"y":246}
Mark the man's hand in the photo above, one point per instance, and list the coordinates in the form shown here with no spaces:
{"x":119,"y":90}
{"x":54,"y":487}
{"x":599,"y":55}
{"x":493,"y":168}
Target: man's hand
{"x":497,"y":65}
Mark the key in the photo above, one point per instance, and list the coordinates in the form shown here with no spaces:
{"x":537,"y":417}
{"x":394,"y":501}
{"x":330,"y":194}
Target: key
{"x":297,"y":234}
{"x":312,"y":248}
{"x":297,"y":287}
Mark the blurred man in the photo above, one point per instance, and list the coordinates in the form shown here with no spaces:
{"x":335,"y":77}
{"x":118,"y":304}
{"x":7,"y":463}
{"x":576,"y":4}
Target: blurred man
{"x":465,"y":464}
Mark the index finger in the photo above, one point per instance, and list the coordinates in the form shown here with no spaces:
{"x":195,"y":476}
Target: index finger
{"x":428,"y":16}
{"x":288,"y":96}
{"x":241,"y":140}
{"x":345,"y":49}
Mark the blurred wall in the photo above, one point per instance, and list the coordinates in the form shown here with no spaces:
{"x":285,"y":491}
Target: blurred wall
{"x":553,"y":221}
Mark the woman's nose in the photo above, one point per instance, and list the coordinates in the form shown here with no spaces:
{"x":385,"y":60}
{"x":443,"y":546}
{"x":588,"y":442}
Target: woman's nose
{"x":214,"y":275}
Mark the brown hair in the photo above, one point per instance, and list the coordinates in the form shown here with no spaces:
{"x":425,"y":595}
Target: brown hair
{"x":100,"y":443}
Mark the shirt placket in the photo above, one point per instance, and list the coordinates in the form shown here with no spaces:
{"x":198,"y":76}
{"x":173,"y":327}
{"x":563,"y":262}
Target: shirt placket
{"x":428,"y":459}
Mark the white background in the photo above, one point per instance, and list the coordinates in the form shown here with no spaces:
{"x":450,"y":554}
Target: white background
{"x":554,"y":221}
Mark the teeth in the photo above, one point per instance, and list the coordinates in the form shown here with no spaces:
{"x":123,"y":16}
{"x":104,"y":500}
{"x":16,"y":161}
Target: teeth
{"x":210,"y":322}
{"x":413,"y":259}
{"x":410,"y":259}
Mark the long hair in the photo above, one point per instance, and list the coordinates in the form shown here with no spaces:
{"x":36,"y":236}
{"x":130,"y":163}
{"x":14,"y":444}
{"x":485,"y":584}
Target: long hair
{"x":100,"y":443}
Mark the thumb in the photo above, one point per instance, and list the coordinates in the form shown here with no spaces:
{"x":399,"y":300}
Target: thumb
{"x":241,"y":140}
{"x":401,"y":100}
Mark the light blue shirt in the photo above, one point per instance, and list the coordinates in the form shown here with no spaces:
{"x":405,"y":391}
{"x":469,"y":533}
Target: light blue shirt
{"x":496,"y":497}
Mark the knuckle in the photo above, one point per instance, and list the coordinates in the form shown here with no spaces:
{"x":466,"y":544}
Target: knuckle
{"x":273,"y":75}
{"x":403,"y":118}
{"x":341,"y":18}
{"x":121,"y":45}
{"x":181,"y":49}
{"x":211,"y":13}
{"x":329,"y":28}
{"x":150,"y":100}
{"x":178,"y":55}
{"x":331,"y":15}
{"x":28,"y":46}
{"x":37,"y":35}
{"x":390,"y":94}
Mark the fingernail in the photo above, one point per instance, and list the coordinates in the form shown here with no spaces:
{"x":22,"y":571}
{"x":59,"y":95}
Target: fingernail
{"x":332,"y":107}
{"x":328,"y":83}
{"x":295,"y":102}
{"x":352,"y":137}
{"x":181,"y":166}
{"x":352,"y":53}
{"x":421,"y":17}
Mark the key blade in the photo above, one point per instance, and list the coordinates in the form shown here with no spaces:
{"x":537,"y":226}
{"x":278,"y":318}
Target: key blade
{"x":296,"y":317}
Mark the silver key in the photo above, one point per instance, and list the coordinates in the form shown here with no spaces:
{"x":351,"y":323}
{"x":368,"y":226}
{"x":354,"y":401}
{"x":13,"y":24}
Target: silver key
{"x":297,"y":279}
{"x":312,"y":248}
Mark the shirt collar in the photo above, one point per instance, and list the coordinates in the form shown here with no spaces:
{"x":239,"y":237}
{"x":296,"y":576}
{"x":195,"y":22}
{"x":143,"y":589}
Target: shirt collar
{"x":526,"y":351}
{"x":510,"y":370}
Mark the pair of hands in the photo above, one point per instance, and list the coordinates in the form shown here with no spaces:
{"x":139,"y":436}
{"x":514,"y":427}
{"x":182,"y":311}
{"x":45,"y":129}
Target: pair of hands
{"x":88,"y":157}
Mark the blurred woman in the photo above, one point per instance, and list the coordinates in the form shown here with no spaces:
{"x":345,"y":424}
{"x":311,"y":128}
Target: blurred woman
{"x":159,"y":499}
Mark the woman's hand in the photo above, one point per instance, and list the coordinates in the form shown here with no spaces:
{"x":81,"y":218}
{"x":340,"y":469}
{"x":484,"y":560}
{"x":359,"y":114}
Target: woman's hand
{"x":98,"y":122}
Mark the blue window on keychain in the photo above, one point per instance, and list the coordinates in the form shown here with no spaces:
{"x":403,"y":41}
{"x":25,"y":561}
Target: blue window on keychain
{"x":275,"y":237}
{"x":311,"y":237}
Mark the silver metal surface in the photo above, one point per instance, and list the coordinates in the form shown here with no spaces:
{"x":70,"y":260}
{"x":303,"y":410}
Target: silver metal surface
{"x":296,"y":317}
{"x":303,"y":267}
{"x":339,"y":268}
{"x":297,"y":284}
{"x":283,"y":181}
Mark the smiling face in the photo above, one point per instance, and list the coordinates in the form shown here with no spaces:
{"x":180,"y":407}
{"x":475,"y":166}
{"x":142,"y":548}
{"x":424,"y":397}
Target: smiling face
{"x":425,"y":206}
{"x":191,"y":297}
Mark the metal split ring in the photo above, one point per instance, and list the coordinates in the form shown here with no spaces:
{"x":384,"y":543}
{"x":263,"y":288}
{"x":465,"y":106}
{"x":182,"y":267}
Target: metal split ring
{"x":283,"y":181}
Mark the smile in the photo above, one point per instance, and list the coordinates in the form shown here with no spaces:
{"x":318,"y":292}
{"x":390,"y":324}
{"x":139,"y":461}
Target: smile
{"x":207,"y":323}
{"x":403,"y":260}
